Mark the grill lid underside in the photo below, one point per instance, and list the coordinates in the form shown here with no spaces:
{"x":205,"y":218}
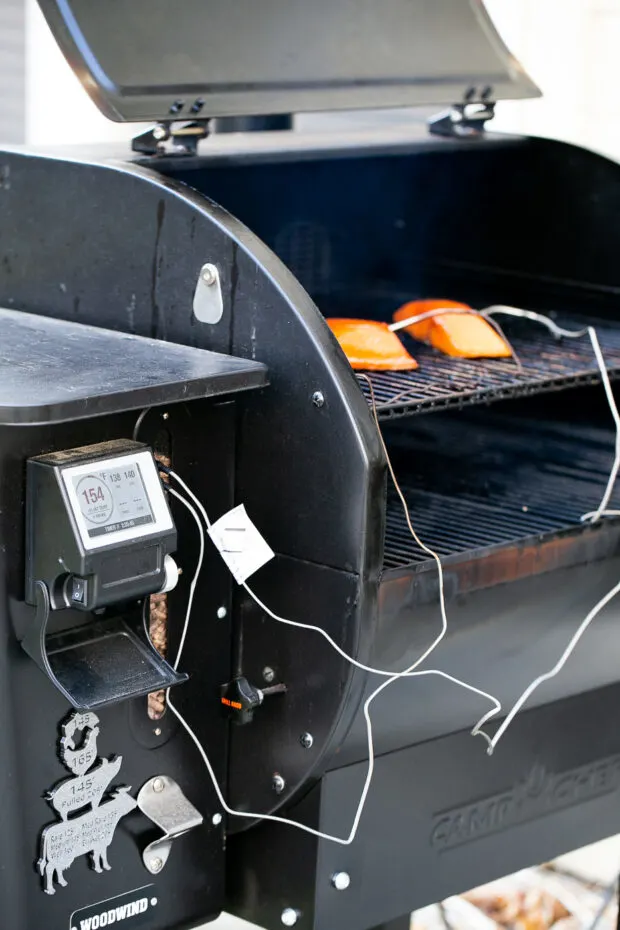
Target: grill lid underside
{"x":161,"y":59}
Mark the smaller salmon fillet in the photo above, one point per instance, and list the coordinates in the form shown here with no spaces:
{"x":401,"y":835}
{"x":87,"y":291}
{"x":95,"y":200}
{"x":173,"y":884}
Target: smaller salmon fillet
{"x":371,"y":345}
{"x":461,"y":335}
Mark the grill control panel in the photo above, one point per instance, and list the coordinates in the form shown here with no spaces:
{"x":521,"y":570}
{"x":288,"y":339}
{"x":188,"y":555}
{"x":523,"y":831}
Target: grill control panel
{"x":99,"y":530}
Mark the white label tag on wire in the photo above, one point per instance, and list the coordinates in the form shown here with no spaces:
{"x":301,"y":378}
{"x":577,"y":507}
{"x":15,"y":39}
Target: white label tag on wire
{"x":240,"y":544}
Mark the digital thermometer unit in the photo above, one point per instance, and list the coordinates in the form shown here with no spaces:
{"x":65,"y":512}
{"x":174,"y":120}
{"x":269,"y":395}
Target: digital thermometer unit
{"x":99,"y":527}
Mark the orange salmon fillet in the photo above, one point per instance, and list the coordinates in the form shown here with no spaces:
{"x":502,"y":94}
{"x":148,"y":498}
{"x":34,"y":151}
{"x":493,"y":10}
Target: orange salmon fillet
{"x":370,"y":345}
{"x":462,"y":335}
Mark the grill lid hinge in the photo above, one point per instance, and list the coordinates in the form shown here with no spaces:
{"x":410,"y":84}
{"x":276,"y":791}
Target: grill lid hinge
{"x":171,"y":138}
{"x":466,"y":119}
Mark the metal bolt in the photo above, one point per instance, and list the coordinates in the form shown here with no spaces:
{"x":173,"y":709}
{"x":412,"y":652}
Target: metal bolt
{"x":306,"y":740}
{"x":341,"y":881}
{"x":216,"y":820}
{"x":278,"y":783}
{"x":268,"y":674}
{"x":221,"y":613}
{"x":318,"y":398}
{"x":156,"y":864}
{"x":208,"y":274}
{"x":160,"y":133}
{"x":157,"y":731}
{"x":165,"y":416}
{"x":158,"y":785}
{"x":289,"y":917}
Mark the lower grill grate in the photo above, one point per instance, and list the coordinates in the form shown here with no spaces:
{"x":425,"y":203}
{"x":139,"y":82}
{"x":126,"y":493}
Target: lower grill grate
{"x":474,"y":485}
{"x":442,"y":382}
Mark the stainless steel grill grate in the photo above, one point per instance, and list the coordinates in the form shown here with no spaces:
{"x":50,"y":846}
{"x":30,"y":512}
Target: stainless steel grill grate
{"x":471,"y":486}
{"x":442,"y":382}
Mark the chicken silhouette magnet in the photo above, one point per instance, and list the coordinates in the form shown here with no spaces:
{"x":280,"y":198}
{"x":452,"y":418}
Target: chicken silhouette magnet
{"x":90,"y":832}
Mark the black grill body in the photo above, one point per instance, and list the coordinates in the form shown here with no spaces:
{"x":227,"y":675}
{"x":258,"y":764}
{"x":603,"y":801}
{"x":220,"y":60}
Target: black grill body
{"x":300,"y":231}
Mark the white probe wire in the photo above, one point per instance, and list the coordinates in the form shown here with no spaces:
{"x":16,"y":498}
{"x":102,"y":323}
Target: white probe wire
{"x":602,"y":507}
{"x":408,"y":673}
{"x":593,"y":516}
{"x":194,"y":582}
{"x":561,"y":333}
{"x":557,"y":668}
{"x":390,"y":677}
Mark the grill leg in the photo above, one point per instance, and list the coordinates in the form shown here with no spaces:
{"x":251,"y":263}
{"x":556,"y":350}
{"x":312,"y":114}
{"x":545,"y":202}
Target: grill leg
{"x":401,"y":923}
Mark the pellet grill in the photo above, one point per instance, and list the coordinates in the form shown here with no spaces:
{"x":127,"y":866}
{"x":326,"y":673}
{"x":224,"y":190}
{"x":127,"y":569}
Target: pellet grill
{"x":171,"y":300}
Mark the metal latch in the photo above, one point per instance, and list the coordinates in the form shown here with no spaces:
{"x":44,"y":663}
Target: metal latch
{"x":163,"y":802}
{"x":240,"y":699}
{"x":465,"y":119}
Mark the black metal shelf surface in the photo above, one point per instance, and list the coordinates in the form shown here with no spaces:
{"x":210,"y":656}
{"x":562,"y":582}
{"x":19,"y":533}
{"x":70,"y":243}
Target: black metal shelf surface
{"x":475,"y":483}
{"x":441,"y":382}
{"x":54,"y":370}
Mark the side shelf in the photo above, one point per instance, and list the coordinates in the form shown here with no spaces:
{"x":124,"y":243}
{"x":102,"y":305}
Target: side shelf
{"x":52,"y":371}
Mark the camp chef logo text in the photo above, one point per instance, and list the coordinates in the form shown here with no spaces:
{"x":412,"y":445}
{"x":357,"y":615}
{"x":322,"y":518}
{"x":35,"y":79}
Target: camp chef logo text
{"x":539,"y":794}
{"x":128,"y":910}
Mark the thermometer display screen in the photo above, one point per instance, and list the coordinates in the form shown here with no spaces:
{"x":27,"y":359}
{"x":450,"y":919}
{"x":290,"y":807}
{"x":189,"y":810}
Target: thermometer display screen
{"x":113,"y":499}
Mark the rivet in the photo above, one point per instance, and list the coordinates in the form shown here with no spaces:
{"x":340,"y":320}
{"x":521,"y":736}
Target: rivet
{"x":341,"y":881}
{"x":158,"y":785}
{"x":156,"y":864}
{"x":157,"y":731}
{"x":289,"y":917}
{"x":278,"y":783}
{"x":216,"y":820}
{"x":221,"y":613}
{"x":208,"y":274}
{"x":318,"y":398}
{"x":306,"y":740}
{"x":268,"y":674}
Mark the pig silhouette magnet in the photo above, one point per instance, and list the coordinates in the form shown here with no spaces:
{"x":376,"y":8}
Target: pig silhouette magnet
{"x":92,"y":831}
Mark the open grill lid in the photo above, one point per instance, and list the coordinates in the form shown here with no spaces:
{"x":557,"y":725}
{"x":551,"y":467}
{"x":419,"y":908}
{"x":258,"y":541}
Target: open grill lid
{"x":161,"y":59}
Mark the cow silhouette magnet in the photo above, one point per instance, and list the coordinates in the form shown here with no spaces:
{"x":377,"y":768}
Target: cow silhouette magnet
{"x":90,"y":832}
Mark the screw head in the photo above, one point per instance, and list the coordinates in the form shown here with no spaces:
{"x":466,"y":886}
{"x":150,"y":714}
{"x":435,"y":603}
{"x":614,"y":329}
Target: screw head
{"x":289,"y":917}
{"x":216,"y":820}
{"x":208,"y":273}
{"x":341,"y":881}
{"x":278,"y":783}
{"x":165,"y":416}
{"x":221,"y":613}
{"x":160,"y":133}
{"x":306,"y":740}
{"x":156,"y":864}
{"x":158,"y":785}
{"x":157,"y":731}
{"x":318,"y":398}
{"x":268,"y":674}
